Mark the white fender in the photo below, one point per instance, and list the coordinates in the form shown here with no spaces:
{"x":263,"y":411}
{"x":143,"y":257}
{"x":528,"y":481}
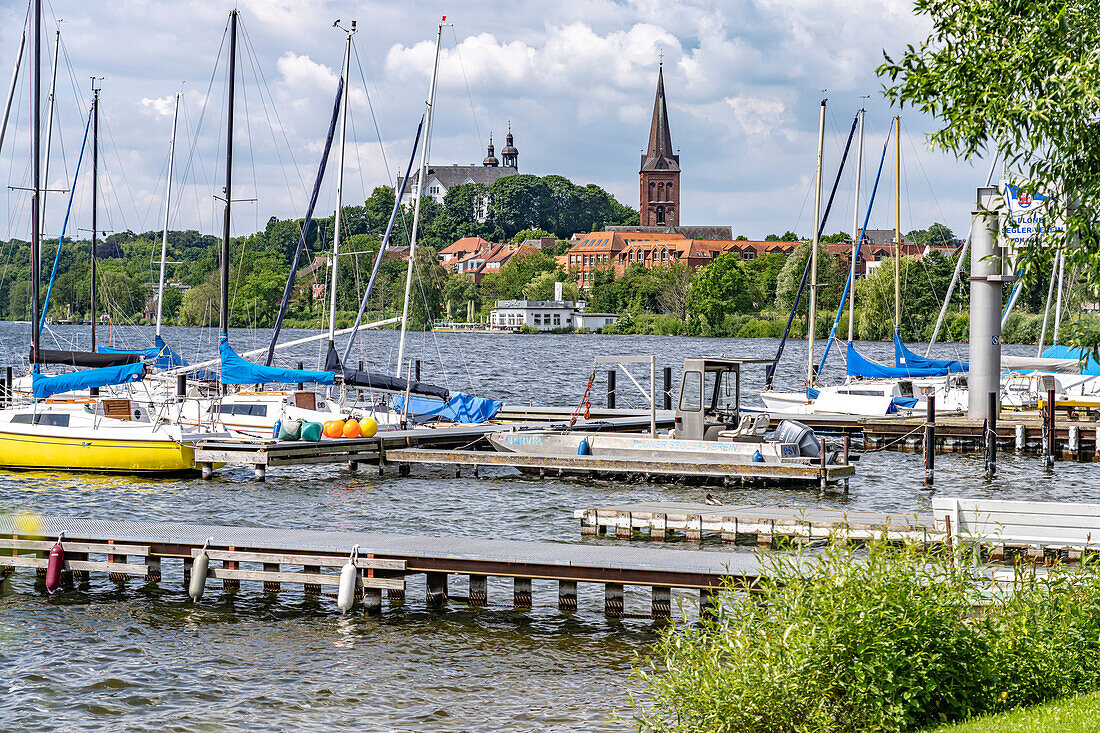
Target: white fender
{"x":199,"y":568}
{"x":345,"y":597}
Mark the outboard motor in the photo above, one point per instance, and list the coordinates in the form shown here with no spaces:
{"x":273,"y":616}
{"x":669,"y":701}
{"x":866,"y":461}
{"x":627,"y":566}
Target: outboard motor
{"x":792,"y":431}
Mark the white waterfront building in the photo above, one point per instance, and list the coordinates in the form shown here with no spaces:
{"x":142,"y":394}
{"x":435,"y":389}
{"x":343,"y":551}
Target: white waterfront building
{"x":547,"y":315}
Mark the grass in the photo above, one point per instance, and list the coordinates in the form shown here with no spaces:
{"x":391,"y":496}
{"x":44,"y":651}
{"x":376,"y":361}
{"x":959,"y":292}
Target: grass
{"x":1069,"y":715}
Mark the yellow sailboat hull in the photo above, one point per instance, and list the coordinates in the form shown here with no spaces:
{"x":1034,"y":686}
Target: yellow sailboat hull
{"x":94,"y":454}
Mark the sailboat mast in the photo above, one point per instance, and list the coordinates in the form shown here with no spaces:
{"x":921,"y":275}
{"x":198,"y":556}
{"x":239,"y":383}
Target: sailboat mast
{"x":897,"y":223}
{"x":855,"y":231}
{"x":223,"y":311}
{"x":811,"y":322}
{"x":11,"y":87}
{"x":1058,"y":298}
{"x":340,"y":187}
{"x":167,"y":209}
{"x":49,"y":123}
{"x":421,"y":181}
{"x":95,"y":194}
{"x":36,"y":244}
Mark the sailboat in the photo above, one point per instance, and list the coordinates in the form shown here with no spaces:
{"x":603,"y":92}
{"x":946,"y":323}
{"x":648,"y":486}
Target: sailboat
{"x":84,"y":433}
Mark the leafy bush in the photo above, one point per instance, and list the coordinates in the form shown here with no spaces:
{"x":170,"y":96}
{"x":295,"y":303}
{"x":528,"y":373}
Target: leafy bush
{"x":889,"y":641}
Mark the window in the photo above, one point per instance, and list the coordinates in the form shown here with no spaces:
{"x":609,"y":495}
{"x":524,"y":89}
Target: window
{"x":538,"y":319}
{"x":58,"y":421}
{"x":434,"y":190}
{"x":691,"y":398}
{"x":557,"y":319}
{"x":660,"y":215}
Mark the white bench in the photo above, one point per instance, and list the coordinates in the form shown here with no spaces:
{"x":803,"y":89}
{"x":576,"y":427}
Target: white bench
{"x":1037,"y":525}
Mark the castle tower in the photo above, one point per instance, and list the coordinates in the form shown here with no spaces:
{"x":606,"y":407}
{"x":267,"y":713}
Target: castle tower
{"x":659,"y":199}
{"x":490,"y":159}
{"x":509,"y":156}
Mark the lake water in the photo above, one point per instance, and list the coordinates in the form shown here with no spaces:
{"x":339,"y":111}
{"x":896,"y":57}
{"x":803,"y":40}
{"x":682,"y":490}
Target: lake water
{"x":115,"y":656}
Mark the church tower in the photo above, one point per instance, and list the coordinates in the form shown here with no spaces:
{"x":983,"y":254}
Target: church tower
{"x":509,"y":156}
{"x":659,"y":200}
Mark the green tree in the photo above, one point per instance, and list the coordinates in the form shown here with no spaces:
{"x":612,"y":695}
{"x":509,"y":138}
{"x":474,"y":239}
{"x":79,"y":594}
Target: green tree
{"x":542,"y":287}
{"x":720,"y":288}
{"x":1019,"y":79}
{"x":200,"y":303}
{"x":531,"y":234}
{"x":831,"y":275}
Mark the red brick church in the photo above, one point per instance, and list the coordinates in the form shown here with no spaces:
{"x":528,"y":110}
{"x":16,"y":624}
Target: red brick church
{"x":659,"y":200}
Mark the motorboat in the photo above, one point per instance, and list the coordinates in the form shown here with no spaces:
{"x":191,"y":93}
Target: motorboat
{"x":709,"y":427}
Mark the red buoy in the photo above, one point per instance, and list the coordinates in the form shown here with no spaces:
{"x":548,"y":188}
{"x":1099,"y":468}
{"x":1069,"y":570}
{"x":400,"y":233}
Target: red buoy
{"x":55,"y":565}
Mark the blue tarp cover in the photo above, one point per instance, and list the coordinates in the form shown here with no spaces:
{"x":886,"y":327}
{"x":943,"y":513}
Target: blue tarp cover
{"x":1091,"y":366}
{"x":236,"y":370}
{"x":462,"y":407}
{"x":165,"y":357}
{"x":44,"y":386}
{"x":906,"y":359}
{"x":861,"y":367}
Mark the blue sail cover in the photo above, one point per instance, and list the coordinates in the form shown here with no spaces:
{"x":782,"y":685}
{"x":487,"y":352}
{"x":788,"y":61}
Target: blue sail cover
{"x":236,"y":370}
{"x":44,"y":386}
{"x":1090,"y":366}
{"x":861,"y":367}
{"x":906,"y":359}
{"x":462,"y":408}
{"x":166,"y":357}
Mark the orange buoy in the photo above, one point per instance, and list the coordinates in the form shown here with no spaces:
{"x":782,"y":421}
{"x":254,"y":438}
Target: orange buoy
{"x":54,"y":566}
{"x":352,"y":428}
{"x":334,"y":429}
{"x":369,"y":427}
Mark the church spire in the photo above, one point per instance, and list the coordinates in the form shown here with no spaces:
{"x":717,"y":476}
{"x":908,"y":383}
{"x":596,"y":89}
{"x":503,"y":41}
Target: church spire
{"x":659,"y":155}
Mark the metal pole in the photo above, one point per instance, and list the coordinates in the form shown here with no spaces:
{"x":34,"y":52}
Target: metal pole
{"x":611,"y":389}
{"x":340,"y":187}
{"x":167,"y":209}
{"x":1058,"y":298}
{"x":416,"y":369}
{"x":421,"y":181}
{"x":668,"y":388}
{"x":652,"y":396}
{"x":223,"y":311}
{"x":985,"y":307}
{"x":1051,"y":427}
{"x":11,"y":87}
{"x":930,"y":440}
{"x":95,"y":182}
{"x":49,"y":127}
{"x":36,"y":225}
{"x":811,"y":321}
{"x":991,"y":434}
{"x":855,"y":231}
{"x":958,"y":269}
{"x":897,"y":223}
{"x":1046,"y":309}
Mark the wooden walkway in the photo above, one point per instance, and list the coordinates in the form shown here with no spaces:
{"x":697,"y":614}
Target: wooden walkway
{"x":759,"y":525}
{"x":708,"y":472}
{"x":278,"y":557}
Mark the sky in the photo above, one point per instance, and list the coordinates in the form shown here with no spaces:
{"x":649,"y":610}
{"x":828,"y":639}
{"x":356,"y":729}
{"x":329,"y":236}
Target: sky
{"x":575,"y":79}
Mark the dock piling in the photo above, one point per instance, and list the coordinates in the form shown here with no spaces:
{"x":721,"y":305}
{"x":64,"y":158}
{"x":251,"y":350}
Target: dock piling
{"x":437,"y":589}
{"x":567,"y":595}
{"x":611,"y":389}
{"x":521,"y":592}
{"x":667,"y":391}
{"x":207,"y":471}
{"x":312,"y":589}
{"x":662,"y":602}
{"x":613,"y":601}
{"x":930,"y":441}
{"x":1021,"y":437}
{"x":416,"y":370}
{"x":372,"y":601}
{"x":479,"y":591}
{"x":1049,"y":428}
{"x":259,"y":472}
{"x":991,"y":434}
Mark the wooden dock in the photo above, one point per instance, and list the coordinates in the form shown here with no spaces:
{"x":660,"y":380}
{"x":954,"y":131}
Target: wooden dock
{"x":1077,"y":440}
{"x":357,"y":452}
{"x":276,"y":558}
{"x":760,"y":525}
{"x":599,"y":467}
